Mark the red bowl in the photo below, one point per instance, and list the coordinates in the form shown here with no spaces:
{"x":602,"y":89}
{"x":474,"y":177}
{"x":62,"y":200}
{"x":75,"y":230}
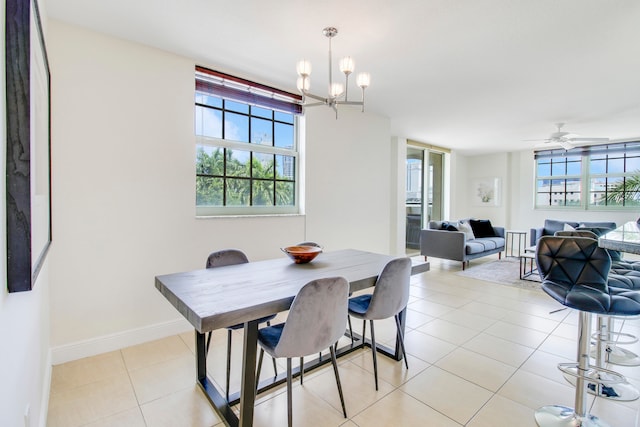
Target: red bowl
{"x":302,"y":254}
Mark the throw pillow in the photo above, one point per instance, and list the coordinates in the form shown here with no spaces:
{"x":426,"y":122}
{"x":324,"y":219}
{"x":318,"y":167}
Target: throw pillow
{"x":466,"y":229}
{"x":450,"y":227}
{"x":482,"y":228}
{"x":567,"y":227}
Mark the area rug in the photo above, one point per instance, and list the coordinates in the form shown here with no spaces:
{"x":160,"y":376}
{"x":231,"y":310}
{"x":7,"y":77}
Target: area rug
{"x":505,"y":271}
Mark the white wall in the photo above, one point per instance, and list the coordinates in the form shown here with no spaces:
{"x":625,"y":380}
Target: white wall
{"x":349,"y":173}
{"x":24,"y":324}
{"x":123,"y":190}
{"x":516,"y":211}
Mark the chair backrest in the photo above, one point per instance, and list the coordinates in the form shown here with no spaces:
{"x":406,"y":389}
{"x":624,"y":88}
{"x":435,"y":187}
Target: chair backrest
{"x":226,"y":257}
{"x":391,"y":292}
{"x":615,"y":255}
{"x":576,"y":233}
{"x":317,"y":318}
{"x":573,"y":261}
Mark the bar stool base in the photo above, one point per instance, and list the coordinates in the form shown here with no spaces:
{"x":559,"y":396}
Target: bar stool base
{"x":618,"y":356}
{"x":561,"y":416}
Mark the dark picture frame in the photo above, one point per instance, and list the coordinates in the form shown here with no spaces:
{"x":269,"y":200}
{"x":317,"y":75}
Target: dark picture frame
{"x":28,"y":144}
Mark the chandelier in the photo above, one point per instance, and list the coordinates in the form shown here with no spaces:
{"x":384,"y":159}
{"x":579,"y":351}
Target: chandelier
{"x":338,"y":93}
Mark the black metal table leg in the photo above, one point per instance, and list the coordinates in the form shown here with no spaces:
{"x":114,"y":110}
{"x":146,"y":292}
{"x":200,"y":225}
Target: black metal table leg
{"x":248,"y":386}
{"x":216,"y":398}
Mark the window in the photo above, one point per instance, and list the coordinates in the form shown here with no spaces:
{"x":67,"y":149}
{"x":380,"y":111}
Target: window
{"x":246,"y":147}
{"x":592,"y":177}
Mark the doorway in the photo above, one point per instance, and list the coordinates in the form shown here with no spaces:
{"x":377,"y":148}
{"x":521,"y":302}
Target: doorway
{"x":424,"y":192}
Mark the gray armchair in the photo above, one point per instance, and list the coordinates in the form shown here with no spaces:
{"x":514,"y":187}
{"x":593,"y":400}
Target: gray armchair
{"x":553,"y":225}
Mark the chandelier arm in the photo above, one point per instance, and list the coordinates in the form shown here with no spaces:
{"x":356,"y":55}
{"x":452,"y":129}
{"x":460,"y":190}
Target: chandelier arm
{"x":316,"y":97}
{"x":315,"y":104}
{"x":350,"y":102}
{"x":330,"y":66}
{"x":346,"y":87}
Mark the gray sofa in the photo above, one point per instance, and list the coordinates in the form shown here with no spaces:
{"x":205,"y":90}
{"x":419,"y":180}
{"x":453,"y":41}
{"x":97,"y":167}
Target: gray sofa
{"x":454,"y":245}
{"x":553,"y":225}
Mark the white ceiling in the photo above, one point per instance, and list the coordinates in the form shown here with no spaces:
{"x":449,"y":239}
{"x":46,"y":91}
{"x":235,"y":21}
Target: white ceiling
{"x":473,"y":75}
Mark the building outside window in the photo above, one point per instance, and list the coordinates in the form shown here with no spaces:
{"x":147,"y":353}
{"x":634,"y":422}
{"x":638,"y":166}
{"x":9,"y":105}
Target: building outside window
{"x":592,"y":177}
{"x":246,"y":147}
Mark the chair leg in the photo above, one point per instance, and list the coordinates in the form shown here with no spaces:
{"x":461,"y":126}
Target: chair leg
{"x":350,"y":329}
{"x":289,"y":394}
{"x":335,"y":371}
{"x":373,"y":351}
{"x":259,"y":367}
{"x":228,"y":361}
{"x":275,"y":368}
{"x":401,"y":339}
{"x":208,"y":342}
{"x":301,"y":370}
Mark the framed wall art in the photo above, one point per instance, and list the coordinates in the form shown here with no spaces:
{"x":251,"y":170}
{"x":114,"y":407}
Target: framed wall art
{"x":28,"y":144}
{"x":486,"y":191}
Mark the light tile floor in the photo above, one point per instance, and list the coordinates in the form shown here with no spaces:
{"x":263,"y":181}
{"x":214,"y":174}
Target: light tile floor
{"x":480,"y":354}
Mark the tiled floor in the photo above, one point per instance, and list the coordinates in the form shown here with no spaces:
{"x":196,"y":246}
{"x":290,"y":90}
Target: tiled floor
{"x":480,"y":354}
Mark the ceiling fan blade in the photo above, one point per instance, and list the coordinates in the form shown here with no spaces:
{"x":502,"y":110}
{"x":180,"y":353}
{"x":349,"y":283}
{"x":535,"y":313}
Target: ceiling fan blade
{"x":566,"y":144}
{"x":578,"y":139}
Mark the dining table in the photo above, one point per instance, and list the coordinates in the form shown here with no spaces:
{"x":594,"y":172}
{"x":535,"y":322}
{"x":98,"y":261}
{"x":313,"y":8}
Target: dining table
{"x":220,"y":297}
{"x":625,"y":238}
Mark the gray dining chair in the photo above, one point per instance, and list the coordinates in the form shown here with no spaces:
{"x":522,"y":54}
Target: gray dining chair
{"x":317,"y":319}
{"x":220,"y":259}
{"x":389,"y":298}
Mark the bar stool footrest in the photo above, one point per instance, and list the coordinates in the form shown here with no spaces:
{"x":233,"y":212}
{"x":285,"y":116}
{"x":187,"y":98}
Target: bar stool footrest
{"x":602,"y":383}
{"x":618,"y":356}
{"x":632,"y":338}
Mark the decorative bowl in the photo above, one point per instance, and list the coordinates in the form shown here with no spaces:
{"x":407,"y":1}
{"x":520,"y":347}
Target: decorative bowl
{"x":302,"y":254}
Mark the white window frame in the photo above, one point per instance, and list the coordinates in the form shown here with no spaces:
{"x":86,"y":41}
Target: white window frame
{"x":586,"y":176}
{"x":258,"y":93}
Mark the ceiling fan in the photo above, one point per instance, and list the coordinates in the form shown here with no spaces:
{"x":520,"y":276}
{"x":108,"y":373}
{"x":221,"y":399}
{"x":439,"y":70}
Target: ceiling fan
{"x":566,"y":139}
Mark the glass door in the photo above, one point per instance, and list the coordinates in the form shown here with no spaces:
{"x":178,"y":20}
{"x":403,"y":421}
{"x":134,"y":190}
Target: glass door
{"x":424,"y":192}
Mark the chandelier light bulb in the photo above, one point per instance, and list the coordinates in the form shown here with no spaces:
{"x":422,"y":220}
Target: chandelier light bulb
{"x":304,"y":68}
{"x":303,"y":83}
{"x":347,"y":65}
{"x":363,"y":80}
{"x":336,"y":89}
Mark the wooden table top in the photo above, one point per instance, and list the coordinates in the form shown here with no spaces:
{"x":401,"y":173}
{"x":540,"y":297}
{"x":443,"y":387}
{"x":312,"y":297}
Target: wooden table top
{"x":218,"y":297}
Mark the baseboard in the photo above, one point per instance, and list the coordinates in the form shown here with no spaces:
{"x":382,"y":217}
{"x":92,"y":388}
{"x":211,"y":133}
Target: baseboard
{"x":106,"y":343}
{"x":46,"y":391}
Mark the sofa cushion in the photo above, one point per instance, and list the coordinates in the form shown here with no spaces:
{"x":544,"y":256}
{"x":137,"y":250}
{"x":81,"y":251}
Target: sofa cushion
{"x":597,"y":227}
{"x":483,"y":244}
{"x":553,"y":225}
{"x":466,"y":229}
{"x":482,"y":228}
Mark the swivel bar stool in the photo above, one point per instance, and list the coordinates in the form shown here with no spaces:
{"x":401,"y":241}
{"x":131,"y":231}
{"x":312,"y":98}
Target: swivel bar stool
{"x":574,"y":272}
{"x":608,"y":342}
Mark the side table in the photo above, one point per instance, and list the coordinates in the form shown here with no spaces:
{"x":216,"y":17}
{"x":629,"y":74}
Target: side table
{"x":514,"y":242}
{"x":528,"y":270}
